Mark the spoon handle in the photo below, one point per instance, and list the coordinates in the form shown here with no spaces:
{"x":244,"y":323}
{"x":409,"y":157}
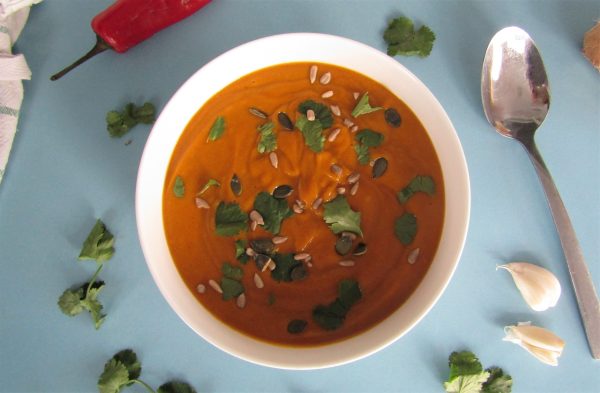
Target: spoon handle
{"x":587,"y":299}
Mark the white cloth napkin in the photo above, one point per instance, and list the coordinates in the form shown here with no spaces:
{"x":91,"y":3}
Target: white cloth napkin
{"x":13,"y":69}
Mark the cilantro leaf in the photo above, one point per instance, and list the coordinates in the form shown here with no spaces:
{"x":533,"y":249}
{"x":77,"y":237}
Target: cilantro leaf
{"x":91,"y":303}
{"x":402,"y":38}
{"x":179,"y":187}
{"x":217,"y":129}
{"x":231,"y":288}
{"x":114,"y":377}
{"x":366,"y":138}
{"x":312,"y":132}
{"x":405,"y":228}
{"x":418,"y":184}
{"x":363,"y":107}
{"x":70,"y":301}
{"x":230,"y":219}
{"x":240,"y":251}
{"x":119,"y":123}
{"x":498,"y":382}
{"x":322,"y":112}
{"x":273,"y":211}
{"x":332,"y":316}
{"x":175,"y":387}
{"x":327,"y":317}
{"x":362,"y":153}
{"x":268,"y":141}
{"x":463,"y":363}
{"x":340,"y":217}
{"x":349,"y":293}
{"x":210,"y":183}
{"x":284,"y":264}
{"x":232,"y":272}
{"x":98,"y":246}
{"x":466,"y":383}
{"x":129,"y":359}
{"x":74,"y":301}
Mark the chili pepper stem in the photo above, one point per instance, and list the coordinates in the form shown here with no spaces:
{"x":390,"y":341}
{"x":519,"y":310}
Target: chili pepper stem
{"x":100,"y":47}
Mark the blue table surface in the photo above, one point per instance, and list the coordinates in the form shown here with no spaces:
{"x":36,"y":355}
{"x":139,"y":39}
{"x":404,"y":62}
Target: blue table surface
{"x":65,"y":171}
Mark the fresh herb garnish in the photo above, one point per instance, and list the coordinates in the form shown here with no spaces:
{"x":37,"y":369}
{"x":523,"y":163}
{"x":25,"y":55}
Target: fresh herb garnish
{"x":405,"y":228}
{"x":312,"y":132}
{"x":284,"y":265}
{"x":210,"y":183}
{"x":296,"y":326}
{"x":119,"y":123}
{"x":402,"y":38}
{"x":98,"y":246}
{"x":363,"y":107}
{"x":231,"y":288}
{"x":231,"y":271}
{"x":217,"y":129}
{"x":179,"y":187}
{"x":366,"y":139}
{"x":240,"y":251}
{"x":84,"y":298}
{"x":332,"y":316}
{"x":124,"y":369}
{"x":467,"y":376}
{"x":230,"y":219}
{"x":273,"y":211}
{"x":417,"y":184}
{"x":322,"y":112}
{"x":340,"y":217}
{"x":267,"y":141}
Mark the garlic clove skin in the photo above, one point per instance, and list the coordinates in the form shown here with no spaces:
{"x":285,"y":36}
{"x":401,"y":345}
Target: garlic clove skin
{"x":541,"y":343}
{"x":539,"y":287}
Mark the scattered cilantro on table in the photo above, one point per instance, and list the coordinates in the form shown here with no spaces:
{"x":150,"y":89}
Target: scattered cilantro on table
{"x":267,"y":140}
{"x":217,"y":129}
{"x":124,"y":369}
{"x":467,"y":376}
{"x":230,"y":219}
{"x":366,"y":139}
{"x":273,"y":211}
{"x":332,"y":316}
{"x":98,"y":246}
{"x":119,"y":123}
{"x":423,"y":184}
{"x":340,"y":217}
{"x":84,"y":298}
{"x":403,"y":39}
{"x":363,"y":107}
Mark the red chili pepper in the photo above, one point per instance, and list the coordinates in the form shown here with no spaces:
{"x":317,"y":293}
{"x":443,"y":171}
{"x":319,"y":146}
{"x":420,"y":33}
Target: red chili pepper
{"x":126,"y":23}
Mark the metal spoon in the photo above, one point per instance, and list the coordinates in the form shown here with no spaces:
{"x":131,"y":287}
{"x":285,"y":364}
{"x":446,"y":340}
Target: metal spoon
{"x":516,"y":98}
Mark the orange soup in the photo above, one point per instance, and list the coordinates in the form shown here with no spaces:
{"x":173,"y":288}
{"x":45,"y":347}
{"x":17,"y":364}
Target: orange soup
{"x":303,"y":204}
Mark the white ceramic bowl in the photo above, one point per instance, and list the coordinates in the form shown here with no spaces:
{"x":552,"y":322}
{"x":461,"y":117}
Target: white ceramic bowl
{"x":231,"y":66}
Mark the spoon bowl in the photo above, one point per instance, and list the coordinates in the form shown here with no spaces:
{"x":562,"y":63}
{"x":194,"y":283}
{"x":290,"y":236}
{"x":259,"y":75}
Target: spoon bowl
{"x":516,"y":100}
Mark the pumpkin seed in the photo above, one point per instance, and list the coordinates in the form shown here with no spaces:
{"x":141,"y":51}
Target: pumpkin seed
{"x":298,"y":273}
{"x":343,"y":245}
{"x":392,"y":117}
{"x":258,"y":113}
{"x":285,"y":121}
{"x":261,"y":261}
{"x":296,"y":326}
{"x":262,"y":245}
{"x":236,"y":185}
{"x":361,"y":249}
{"x":283,"y":191}
{"x":379,"y":167}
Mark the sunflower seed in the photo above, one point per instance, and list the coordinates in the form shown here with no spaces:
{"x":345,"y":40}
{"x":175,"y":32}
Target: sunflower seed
{"x":353,"y":177}
{"x":351,"y":235}
{"x":333,"y":134}
{"x":340,"y":190}
{"x":414,"y":255}
{"x":310,"y":115}
{"x":336,"y":110}
{"x":285,"y":121}
{"x":336,"y":169}
{"x":241,"y":301}
{"x":343,"y":245}
{"x":201,"y":203}
{"x":201,"y":288}
{"x":392,"y":117}
{"x":262,"y":245}
{"x":296,"y":326}
{"x":253,"y":226}
{"x":325,"y":78}
{"x":361,"y":249}
{"x":300,"y":203}
{"x":348,"y":123}
{"x":215,"y":285}
{"x":250,"y":252}
{"x":301,"y":256}
{"x":356,"y":95}
{"x":347,"y":263}
{"x":258,"y":281}
{"x":270,"y":265}
{"x":297,"y":209}
{"x":257,"y":217}
{"x":258,"y":113}
{"x":279,"y":239}
{"x":354,"y":128}
{"x":354,"y":189}
{"x":236,"y":185}
{"x":283,"y":191}
{"x":379,"y":167}
{"x":317,"y":203}
{"x":313,"y":73}
{"x":274,"y":159}
{"x":298,"y":273}
{"x":327,"y":94}
{"x":308,"y":264}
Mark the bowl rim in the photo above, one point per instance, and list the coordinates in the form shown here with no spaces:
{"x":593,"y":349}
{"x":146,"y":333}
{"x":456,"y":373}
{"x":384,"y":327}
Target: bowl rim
{"x":239,"y":61}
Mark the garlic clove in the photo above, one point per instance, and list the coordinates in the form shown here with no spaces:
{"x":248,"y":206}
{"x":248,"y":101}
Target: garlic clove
{"x":541,"y":343}
{"x":539,"y":287}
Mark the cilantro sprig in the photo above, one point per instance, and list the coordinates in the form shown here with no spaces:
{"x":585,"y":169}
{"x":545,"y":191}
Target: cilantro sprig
{"x":124,"y":369}
{"x":423,"y":184}
{"x":267,"y":139}
{"x":332,"y":316}
{"x":98,"y":246}
{"x":403,"y":39}
{"x":312,"y":132}
{"x":363,"y":107}
{"x":119,"y":123}
{"x":340,"y":217}
{"x":74,"y":301}
{"x":467,"y":376}
{"x":217,"y":129}
{"x":365,"y":140}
